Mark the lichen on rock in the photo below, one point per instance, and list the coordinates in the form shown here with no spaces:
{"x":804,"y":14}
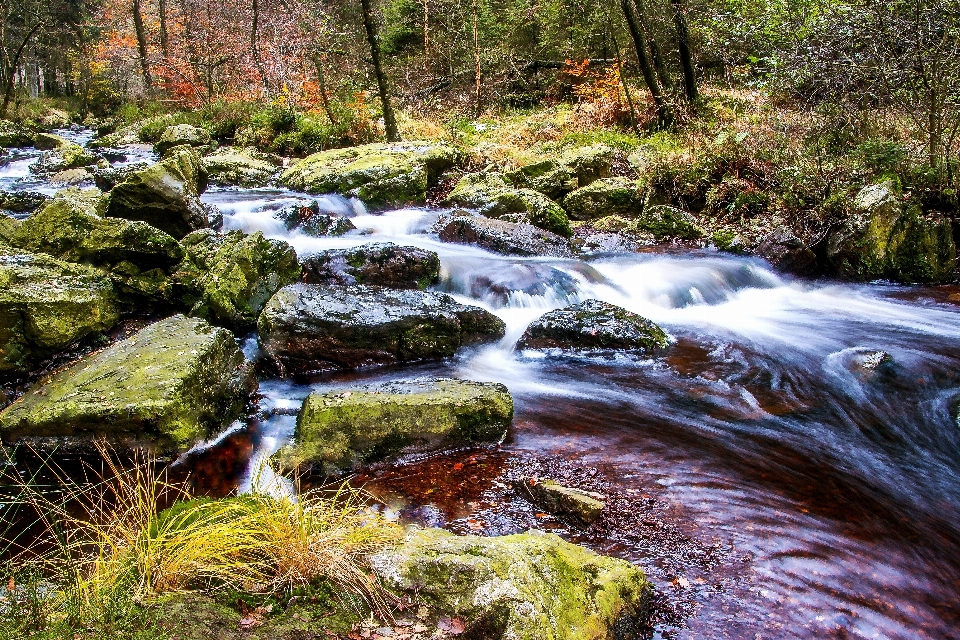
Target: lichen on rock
{"x":593,"y":325}
{"x":493,"y":197}
{"x":338,"y":431}
{"x":378,"y":263}
{"x":241,"y":167}
{"x":175,"y":382}
{"x":573,"y":169}
{"x":529,"y":586}
{"x":381,"y":175}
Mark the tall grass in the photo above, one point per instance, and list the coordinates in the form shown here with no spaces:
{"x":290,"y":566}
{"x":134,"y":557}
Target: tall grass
{"x":108,"y":545}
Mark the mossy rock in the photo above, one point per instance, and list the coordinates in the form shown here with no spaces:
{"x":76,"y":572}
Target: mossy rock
{"x":666,"y":222}
{"x":378,"y":263}
{"x":22,"y":201}
{"x":165,"y":195}
{"x":606,"y":197}
{"x":171,"y":385}
{"x":66,"y":155}
{"x":307,"y":328}
{"x":182,"y":134}
{"x":381,"y":175}
{"x":49,"y":141}
{"x":240,"y":167}
{"x":500,"y":236}
{"x":68,"y":227}
{"x":8,"y":228}
{"x":14,"y":135}
{"x":492,"y":196}
{"x":46,"y":305}
{"x":530,"y":586}
{"x":552,"y":497}
{"x":574,"y":169}
{"x":593,"y":325}
{"x":338,"y":431}
{"x":228,"y":278}
{"x":879,"y":239}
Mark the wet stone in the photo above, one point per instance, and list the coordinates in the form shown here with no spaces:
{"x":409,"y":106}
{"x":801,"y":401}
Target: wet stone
{"x":307,"y":328}
{"x":586,"y":506}
{"x":308,"y":220}
{"x":382,"y":263}
{"x":500,"y":236}
{"x":593,"y":325}
{"x":339,"y":431}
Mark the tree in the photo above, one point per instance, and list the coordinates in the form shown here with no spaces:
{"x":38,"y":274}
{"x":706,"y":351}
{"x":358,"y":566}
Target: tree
{"x":389,"y":120}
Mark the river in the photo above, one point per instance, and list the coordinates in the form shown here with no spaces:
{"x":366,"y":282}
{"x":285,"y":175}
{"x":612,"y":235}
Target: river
{"x":788,"y":468}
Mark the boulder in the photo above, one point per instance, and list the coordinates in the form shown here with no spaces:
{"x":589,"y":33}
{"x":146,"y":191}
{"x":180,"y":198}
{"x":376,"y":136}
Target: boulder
{"x":169,"y":386}
{"x":528,"y":586}
{"x":787,"y":253}
{"x":499,"y":236}
{"x":382,"y":264}
{"x":241,"y":167}
{"x":46,"y":305}
{"x":67,"y":155}
{"x":21,"y":201}
{"x":666,"y":222}
{"x":585,"y":506}
{"x":574,"y":169}
{"x":381,"y":175}
{"x":71,"y":177}
{"x":306,"y":328}
{"x":182,"y":134}
{"x":493,"y":197}
{"x":14,"y":135}
{"x":8,"y":228}
{"x":49,"y":141}
{"x":165,"y":195}
{"x":339,"y":431}
{"x":309,"y":221}
{"x":69,"y":228}
{"x":593,"y":325}
{"x":879,"y":239}
{"x":228,"y":278}
{"x":107,"y":178}
{"x":606,"y":197}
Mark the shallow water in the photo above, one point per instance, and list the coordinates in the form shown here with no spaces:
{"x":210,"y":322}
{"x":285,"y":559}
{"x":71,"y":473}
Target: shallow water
{"x":826,"y":473}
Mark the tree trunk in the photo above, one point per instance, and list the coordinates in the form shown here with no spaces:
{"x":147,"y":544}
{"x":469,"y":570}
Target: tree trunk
{"x":426,"y":27}
{"x":623,"y":80}
{"x":664,"y":114}
{"x":164,"y":42}
{"x":389,"y":120}
{"x":254,"y":49}
{"x":322,"y":85}
{"x":12,"y":69}
{"x":476,"y":55}
{"x":142,"y":44}
{"x":686,"y":58}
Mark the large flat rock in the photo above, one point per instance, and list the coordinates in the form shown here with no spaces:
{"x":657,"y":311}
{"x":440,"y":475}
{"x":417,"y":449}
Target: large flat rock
{"x":307,"y":328}
{"x":341,"y":430}
{"x":172,"y":384}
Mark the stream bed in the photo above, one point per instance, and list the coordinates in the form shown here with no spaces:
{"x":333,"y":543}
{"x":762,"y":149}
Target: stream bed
{"x":788,"y":468}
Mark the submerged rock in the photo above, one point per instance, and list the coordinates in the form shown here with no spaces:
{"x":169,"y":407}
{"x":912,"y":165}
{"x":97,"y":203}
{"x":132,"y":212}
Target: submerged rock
{"x":241,"y":167}
{"x":182,"y":134}
{"x":309,"y":221}
{"x":165,"y":195}
{"x":307,"y":328}
{"x":338,"y":431}
{"x":228,"y":278}
{"x":586,"y":506}
{"x":381,"y":263}
{"x":172,"y":384}
{"x":526,"y":586}
{"x":381,"y":175}
{"x":593,"y":325}
{"x":493,"y":197}
{"x":881,"y":240}
{"x":606,"y":197}
{"x":69,"y":228}
{"x":574,"y":169}
{"x":506,"y":238}
{"x":46,"y":305}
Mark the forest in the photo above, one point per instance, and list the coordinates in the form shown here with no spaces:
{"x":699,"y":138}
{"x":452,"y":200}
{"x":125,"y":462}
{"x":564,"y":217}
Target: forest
{"x":486,"y":319}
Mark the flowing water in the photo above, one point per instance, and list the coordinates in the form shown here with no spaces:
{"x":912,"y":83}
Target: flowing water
{"x":807,"y":432}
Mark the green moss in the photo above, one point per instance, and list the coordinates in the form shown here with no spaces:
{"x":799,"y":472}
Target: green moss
{"x":173,"y":383}
{"x":382,"y":175}
{"x":494,"y":197}
{"x":531,"y":586}
{"x":340,"y":430}
{"x":610,"y":196}
{"x":47,"y":304}
{"x":239,"y":167}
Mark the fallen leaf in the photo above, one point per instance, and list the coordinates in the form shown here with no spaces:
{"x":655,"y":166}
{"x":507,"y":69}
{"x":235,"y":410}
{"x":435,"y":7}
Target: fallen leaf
{"x":453,"y":626}
{"x":458,"y":466}
{"x":682,"y":582}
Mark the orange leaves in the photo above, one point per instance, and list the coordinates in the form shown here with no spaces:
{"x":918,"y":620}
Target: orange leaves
{"x":600,"y":91}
